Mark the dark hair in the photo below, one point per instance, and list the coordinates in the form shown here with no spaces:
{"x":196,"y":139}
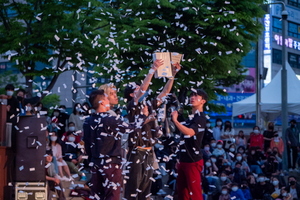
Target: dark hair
{"x":49,"y":152}
{"x":293,"y":121}
{"x":70,"y":123}
{"x":94,"y":98}
{"x":21,"y":90}
{"x":227,"y":126}
{"x":75,"y":106}
{"x":62,"y":106}
{"x":199,"y":92}
{"x":129,"y":89}
{"x":9,"y":87}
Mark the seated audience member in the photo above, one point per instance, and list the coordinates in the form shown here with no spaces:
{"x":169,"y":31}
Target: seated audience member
{"x":240,"y":158}
{"x":253,"y":160}
{"x":224,"y":180}
{"x":246,"y":190}
{"x":293,"y":187}
{"x":208,"y":134}
{"x":230,"y":153}
{"x":242,"y":150}
{"x":270,"y":167}
{"x":224,"y":194}
{"x":72,"y":155}
{"x":213,"y":145}
{"x":284,"y":194}
{"x":53,"y":126}
{"x":236,"y":193}
{"x":276,"y":187}
{"x":78,"y":118}
{"x":52,"y":178}
{"x":210,"y":173}
{"x":39,"y":108}
{"x":206,"y":152}
{"x":71,"y":129}
{"x":57,"y":153}
{"x":263,"y":188}
{"x":219,"y":151}
{"x":251,"y":182}
{"x":28,"y":109}
{"x":239,"y":175}
{"x":240,"y":139}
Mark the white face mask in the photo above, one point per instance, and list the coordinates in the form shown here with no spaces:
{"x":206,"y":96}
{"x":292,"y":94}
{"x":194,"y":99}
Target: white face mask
{"x":219,"y":123}
{"x":275,"y":183}
{"x":208,"y":125}
{"x":56,"y":114}
{"x":53,"y":138}
{"x":28,"y":108}
{"x":224,"y":191}
{"x":72,"y":128}
{"x":71,"y":139}
{"x":284,"y":194}
{"x":208,"y":164}
{"x":206,"y":148}
{"x":231,"y":149}
{"x":213,"y":144}
{"x":9,"y":93}
{"x":223,"y":178}
{"x":261,"y":179}
{"x":219,"y":146}
{"x":239,"y":158}
{"x":53,"y":125}
{"x":256,"y":131}
{"x":213,"y":160}
{"x":234,"y":188}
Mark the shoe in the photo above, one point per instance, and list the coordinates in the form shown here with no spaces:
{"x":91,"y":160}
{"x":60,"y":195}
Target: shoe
{"x":83,"y":178}
{"x":161,"y":192}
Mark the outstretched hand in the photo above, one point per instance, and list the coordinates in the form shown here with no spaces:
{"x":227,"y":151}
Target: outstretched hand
{"x":156,"y":64}
{"x":176,"y":68}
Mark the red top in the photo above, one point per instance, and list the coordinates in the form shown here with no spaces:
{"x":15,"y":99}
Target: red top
{"x":256,"y":140}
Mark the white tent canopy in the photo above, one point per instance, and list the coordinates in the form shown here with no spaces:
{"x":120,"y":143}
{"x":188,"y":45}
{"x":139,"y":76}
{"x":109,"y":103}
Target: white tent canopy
{"x":271,"y":97}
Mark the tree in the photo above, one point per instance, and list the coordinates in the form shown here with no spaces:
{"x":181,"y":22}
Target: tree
{"x":213,"y":35}
{"x":61,"y":35}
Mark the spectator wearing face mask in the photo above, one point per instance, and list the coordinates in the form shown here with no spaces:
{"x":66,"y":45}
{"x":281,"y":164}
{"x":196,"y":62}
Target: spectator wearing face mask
{"x":253,"y":160}
{"x":71,"y":129}
{"x":77,"y":117}
{"x":53,"y":126}
{"x":213,"y":145}
{"x":208,"y":134}
{"x":239,"y":175}
{"x":57,"y":153}
{"x":236,"y":193}
{"x":256,"y":138}
{"x":270,"y":167}
{"x":72,"y":154}
{"x":293,"y":187}
{"x":268,"y":135}
{"x":276,"y":187}
{"x":230,"y":153}
{"x":292,"y":138}
{"x":246,"y":190}
{"x":211,"y":178}
{"x":251,"y":181}
{"x":224,"y":179}
{"x":217,"y":130}
{"x":239,"y":158}
{"x":12,"y":104}
{"x":206,"y":152}
{"x":278,"y":143}
{"x":240,"y":139}
{"x":284,"y":195}
{"x":262,"y":188}
{"x":224,"y":193}
{"x":228,"y":135}
{"x":219,"y":151}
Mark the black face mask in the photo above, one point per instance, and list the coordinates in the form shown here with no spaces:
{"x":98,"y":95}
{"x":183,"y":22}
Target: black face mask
{"x":293,"y":183}
{"x":293,"y":125}
{"x":19,"y":98}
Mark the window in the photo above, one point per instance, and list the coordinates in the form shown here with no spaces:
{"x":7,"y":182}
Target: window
{"x":277,"y":25}
{"x":276,"y":56}
{"x":294,"y":60}
{"x":294,"y":30}
{"x":295,"y":3}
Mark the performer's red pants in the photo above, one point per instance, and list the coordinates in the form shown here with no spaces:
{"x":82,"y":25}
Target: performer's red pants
{"x":189,"y":181}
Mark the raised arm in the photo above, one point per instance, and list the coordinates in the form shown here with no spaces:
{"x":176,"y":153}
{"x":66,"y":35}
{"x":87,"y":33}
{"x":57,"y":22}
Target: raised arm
{"x":168,"y":86}
{"x":146,"y":82}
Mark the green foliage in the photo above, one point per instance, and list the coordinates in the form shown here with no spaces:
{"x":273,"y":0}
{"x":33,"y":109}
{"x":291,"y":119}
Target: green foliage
{"x":6,"y":78}
{"x":63,"y":35}
{"x":51,"y":101}
{"x":213,"y":36}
